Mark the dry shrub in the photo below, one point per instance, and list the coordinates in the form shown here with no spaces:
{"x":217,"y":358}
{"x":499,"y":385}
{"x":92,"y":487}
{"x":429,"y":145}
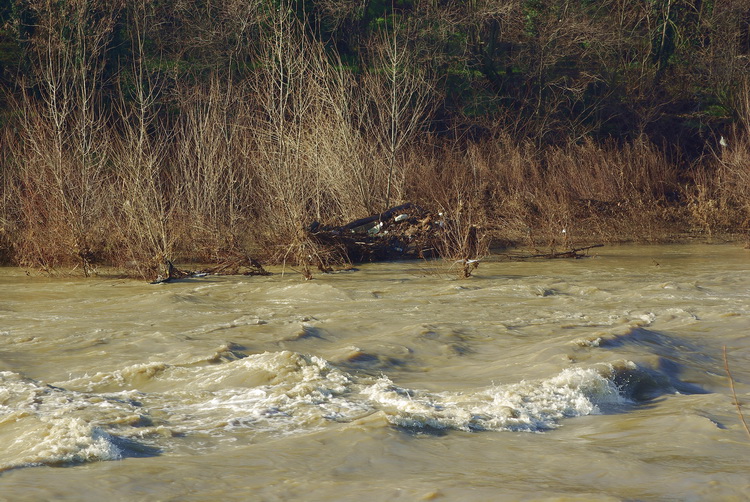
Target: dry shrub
{"x":610,"y":172}
{"x":703,"y":204}
{"x":447,"y":181}
{"x":718,"y":192}
{"x":215,"y":183}
{"x":510,"y":188}
{"x":9,"y":217}
{"x":734,"y":170}
{"x":148,"y":193}
{"x":61,"y":187}
{"x":735,"y":186}
{"x":611,"y":191}
{"x":290,"y":100}
{"x":399,"y":93}
{"x":325,"y":147}
{"x":63,"y":142}
{"x":557,"y":196}
{"x":147,"y":202}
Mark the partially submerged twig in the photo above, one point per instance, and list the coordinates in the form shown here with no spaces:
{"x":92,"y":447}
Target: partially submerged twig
{"x":734,"y":394}
{"x":571,"y":253}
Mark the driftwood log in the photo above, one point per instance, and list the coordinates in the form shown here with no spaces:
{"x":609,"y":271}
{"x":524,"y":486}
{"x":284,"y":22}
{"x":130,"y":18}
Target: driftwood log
{"x":384,"y":216}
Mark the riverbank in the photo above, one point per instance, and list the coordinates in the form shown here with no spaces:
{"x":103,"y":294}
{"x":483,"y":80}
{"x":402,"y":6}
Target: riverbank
{"x":137,"y":135}
{"x":61,"y":216}
{"x":500,"y":250}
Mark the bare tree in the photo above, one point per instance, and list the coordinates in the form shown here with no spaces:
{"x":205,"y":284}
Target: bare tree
{"x":148,"y":194}
{"x":64,"y":143}
{"x":400,"y":92}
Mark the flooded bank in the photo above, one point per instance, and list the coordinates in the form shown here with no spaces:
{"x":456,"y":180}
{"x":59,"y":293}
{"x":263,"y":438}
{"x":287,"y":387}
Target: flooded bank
{"x":600,"y":378}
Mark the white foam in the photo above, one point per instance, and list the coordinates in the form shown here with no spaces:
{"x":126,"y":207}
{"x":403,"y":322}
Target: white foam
{"x":275,"y":392}
{"x":59,"y":441}
{"x":46,"y":425}
{"x":525,"y":406}
{"x":279,"y":391}
{"x":304,"y":391}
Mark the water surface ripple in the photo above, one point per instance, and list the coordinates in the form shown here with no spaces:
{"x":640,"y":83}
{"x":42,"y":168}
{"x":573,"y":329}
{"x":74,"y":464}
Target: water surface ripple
{"x":600,"y":379}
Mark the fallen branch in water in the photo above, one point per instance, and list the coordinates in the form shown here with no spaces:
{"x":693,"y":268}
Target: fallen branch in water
{"x":572,"y":253}
{"x":734,"y":394}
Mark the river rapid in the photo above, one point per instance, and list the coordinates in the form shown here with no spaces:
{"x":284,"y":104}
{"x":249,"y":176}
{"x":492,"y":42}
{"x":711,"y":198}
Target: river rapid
{"x":594,"y":379}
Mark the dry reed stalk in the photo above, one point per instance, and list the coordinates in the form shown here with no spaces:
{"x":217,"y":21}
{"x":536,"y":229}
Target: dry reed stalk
{"x":734,"y":393}
{"x":734,"y":180}
{"x":719,"y":193}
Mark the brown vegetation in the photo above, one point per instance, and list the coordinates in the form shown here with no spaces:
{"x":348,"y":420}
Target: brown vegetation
{"x":150,"y":163}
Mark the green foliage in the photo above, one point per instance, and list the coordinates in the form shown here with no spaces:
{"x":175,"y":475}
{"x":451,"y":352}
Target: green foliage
{"x":561,"y":68}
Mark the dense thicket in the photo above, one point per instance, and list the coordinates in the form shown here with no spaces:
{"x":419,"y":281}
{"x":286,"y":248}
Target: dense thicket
{"x":136,"y":131}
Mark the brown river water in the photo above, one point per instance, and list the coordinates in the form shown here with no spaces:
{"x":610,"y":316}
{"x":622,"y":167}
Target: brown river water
{"x":592,"y":379}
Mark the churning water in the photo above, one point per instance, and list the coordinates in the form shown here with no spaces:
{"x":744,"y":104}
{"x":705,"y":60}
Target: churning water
{"x":594,"y":379}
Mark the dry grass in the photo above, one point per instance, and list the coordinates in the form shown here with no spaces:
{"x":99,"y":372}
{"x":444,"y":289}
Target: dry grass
{"x":555,"y":198}
{"x":718,"y":194}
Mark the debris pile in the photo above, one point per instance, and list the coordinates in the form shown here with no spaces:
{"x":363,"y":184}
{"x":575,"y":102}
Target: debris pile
{"x":402,"y":232}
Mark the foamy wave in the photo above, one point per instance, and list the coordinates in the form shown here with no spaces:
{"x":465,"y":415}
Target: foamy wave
{"x":55,"y":441}
{"x":525,"y":406}
{"x":293,"y":391}
{"x":41,"y":424}
{"x":281,"y":392}
{"x":277,"y":393}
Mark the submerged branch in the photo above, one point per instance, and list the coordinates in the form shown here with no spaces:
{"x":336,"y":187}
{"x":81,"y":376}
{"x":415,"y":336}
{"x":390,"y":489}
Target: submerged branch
{"x":572,"y":253}
{"x":734,"y":393}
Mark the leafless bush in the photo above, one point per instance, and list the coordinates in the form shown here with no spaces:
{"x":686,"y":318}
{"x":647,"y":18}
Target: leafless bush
{"x":452,"y":183}
{"x":285,"y":94}
{"x":289,"y":106}
{"x":211,"y":168}
{"x":318,"y":152}
{"x":147,"y":194}
{"x":9,"y":217}
{"x":63,"y":142}
{"x":718,"y":194}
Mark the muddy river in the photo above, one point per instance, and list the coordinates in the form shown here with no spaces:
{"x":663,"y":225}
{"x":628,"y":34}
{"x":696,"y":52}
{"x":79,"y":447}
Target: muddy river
{"x":593,"y":379}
